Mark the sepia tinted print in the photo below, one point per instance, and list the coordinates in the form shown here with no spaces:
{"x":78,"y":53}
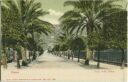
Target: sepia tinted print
{"x":63,"y":40}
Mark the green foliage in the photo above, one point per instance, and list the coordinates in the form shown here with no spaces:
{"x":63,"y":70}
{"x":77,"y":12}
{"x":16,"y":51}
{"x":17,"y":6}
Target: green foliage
{"x":11,"y":29}
{"x":67,"y":41}
{"x":91,"y":16}
{"x":20,"y":18}
{"x":87,"y":14}
{"x":78,"y":44}
{"x":63,"y":41}
{"x":116,"y":32}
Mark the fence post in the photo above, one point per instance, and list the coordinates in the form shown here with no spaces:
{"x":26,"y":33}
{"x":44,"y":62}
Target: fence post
{"x":68,"y":56}
{"x":98,"y":64}
{"x":108,"y":59}
{"x":79,"y":56}
{"x":72,"y":55}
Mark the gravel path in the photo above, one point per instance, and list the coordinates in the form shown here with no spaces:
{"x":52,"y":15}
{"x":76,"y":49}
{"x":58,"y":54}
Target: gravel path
{"x":50,"y":68}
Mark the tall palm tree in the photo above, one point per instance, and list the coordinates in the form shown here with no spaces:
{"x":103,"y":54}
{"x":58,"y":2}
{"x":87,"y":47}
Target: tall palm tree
{"x":28,"y":13}
{"x":25,"y":15}
{"x":64,"y":40}
{"x":88,"y":15}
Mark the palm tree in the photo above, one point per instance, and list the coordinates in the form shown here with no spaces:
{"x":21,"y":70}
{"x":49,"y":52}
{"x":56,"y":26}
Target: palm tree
{"x":40,"y":27}
{"x":28,"y":12}
{"x":88,"y":16}
{"x":25,"y":20}
{"x":64,"y":40}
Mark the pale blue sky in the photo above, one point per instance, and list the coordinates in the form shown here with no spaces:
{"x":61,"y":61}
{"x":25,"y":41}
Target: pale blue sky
{"x":56,"y":9}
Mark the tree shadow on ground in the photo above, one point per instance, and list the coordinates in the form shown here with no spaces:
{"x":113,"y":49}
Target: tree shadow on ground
{"x":91,"y":66}
{"x":43,"y":61}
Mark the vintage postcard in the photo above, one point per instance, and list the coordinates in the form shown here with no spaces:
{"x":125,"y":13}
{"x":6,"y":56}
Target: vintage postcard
{"x":63,"y":40}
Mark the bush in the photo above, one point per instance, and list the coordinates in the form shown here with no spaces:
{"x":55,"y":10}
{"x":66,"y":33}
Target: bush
{"x":24,"y":63}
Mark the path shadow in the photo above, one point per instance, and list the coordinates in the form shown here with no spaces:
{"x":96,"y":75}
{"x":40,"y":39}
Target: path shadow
{"x":44,"y":61}
{"x":91,"y":66}
{"x":41,"y":62}
{"x":81,"y":64}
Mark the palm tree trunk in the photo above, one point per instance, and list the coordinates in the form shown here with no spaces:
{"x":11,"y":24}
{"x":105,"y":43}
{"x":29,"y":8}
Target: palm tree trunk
{"x":68,"y":55}
{"x":87,"y":48}
{"x":34,"y":52}
{"x":0,"y":70}
{"x":0,"y":41}
{"x":18,"y":60}
{"x":87,"y":59}
{"x":72,"y":54}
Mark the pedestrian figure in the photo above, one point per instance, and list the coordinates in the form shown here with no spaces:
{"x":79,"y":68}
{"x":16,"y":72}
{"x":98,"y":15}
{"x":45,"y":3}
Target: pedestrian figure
{"x":15,"y":56}
{"x":18,"y":62}
{"x":37,"y":54}
{"x":24,"y":58}
{"x":27,"y":54}
{"x":11,"y":54}
{"x":4,"y":60}
{"x":7,"y":53}
{"x":30,"y":56}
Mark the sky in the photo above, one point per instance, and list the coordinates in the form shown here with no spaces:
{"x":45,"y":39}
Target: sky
{"x":55,"y":8}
